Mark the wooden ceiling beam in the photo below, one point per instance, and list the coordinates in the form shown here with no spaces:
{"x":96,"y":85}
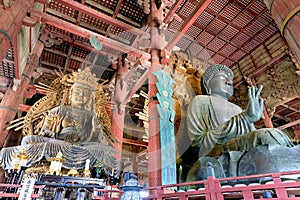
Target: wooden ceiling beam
{"x":291,"y":108}
{"x":140,"y":130}
{"x":135,"y":142}
{"x":85,"y":33}
{"x":67,"y":56}
{"x":60,"y":15}
{"x":188,"y":23}
{"x":289,"y":124}
{"x":67,"y":62}
{"x":55,"y":52}
{"x":60,"y":68}
{"x":8,"y":61}
{"x":16,"y":57}
{"x":287,"y":119}
{"x":172,"y":12}
{"x":286,"y":100}
{"x":101,"y":16}
{"x":79,"y":14}
{"x":48,"y":71}
{"x":114,"y":16}
{"x":81,"y":45}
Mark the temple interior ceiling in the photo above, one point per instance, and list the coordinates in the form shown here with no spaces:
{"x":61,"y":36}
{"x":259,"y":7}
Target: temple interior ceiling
{"x":238,"y":33}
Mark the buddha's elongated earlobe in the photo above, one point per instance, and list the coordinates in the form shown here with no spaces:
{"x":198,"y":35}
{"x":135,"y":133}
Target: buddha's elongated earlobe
{"x":204,"y":87}
{"x":207,"y":89}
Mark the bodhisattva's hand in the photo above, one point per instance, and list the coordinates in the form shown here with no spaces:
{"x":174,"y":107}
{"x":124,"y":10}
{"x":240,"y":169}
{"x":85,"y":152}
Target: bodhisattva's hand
{"x":255,"y":105}
{"x":47,"y":132}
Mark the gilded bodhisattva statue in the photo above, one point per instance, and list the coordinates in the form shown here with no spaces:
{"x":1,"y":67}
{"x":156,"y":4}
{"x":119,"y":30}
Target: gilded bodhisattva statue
{"x":78,"y":127}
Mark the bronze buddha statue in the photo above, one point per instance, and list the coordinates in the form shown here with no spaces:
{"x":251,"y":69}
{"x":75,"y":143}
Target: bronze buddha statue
{"x":216,"y":126}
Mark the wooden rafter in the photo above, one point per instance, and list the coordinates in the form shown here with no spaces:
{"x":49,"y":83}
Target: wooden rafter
{"x":188,"y":23}
{"x":134,"y":142}
{"x":293,"y":123}
{"x":172,"y":12}
{"x":101,"y":16}
{"x":114,"y":16}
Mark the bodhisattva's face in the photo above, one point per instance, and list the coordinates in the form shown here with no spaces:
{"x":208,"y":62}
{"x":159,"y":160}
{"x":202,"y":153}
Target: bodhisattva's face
{"x":221,"y":85}
{"x":80,"y":95}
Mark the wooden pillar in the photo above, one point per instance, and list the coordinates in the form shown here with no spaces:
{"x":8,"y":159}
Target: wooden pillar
{"x":154,"y":156}
{"x":296,"y":129}
{"x":117,"y":126}
{"x":12,"y":99}
{"x":297,"y":134}
{"x":11,"y":19}
{"x":118,"y":112}
{"x":157,"y":40}
{"x":267,"y":119}
{"x":287,"y":16}
{"x":135,"y":162}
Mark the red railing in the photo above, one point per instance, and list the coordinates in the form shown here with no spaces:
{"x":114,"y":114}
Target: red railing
{"x":278,"y":184}
{"x":108,"y":194}
{"x":213,"y":188}
{"x":16,"y":195}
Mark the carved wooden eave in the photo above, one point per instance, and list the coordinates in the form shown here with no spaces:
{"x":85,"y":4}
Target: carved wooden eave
{"x":86,"y":34}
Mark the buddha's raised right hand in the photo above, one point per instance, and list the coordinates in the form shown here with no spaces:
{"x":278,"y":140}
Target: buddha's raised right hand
{"x":255,"y":105}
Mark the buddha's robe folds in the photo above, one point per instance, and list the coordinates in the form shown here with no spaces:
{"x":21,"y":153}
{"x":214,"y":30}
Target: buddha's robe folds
{"x":75,"y":154}
{"x":216,"y":125}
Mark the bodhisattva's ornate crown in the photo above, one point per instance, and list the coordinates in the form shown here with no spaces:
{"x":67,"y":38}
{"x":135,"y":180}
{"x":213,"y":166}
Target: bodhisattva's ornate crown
{"x":85,"y":77}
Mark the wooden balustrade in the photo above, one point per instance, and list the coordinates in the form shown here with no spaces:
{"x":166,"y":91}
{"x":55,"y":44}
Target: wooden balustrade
{"x":242,"y":187}
{"x":278,"y":185}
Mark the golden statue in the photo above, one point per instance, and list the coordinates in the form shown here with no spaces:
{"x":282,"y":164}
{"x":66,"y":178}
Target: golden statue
{"x":71,"y":119}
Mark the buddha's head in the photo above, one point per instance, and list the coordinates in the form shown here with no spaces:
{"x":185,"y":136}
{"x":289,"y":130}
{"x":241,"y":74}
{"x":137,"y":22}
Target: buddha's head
{"x":217,"y":80}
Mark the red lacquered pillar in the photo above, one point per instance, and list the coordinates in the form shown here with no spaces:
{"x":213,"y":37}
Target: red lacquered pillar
{"x":154,"y":156}
{"x":287,"y":16}
{"x":118,"y":112}
{"x":11,"y":19}
{"x":12,"y":99}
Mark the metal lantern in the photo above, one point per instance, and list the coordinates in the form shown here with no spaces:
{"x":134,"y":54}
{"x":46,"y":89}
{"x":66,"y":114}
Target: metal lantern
{"x":131,"y":189}
{"x":56,"y":164}
{"x":20,"y":160}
